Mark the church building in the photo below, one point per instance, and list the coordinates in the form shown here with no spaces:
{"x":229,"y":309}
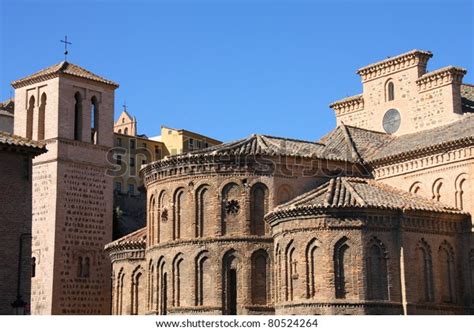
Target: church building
{"x":374,"y":218}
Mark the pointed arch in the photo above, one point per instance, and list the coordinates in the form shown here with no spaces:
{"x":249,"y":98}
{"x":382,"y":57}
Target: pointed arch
{"x":78,"y":116}
{"x":41,"y":117}
{"x":258,"y":208}
{"x":425,"y":264}
{"x":311,"y":265}
{"x":94,"y":120}
{"x":447,"y":272}
{"x":178,"y":203}
{"x":260,"y":280}
{"x":29,"y":117}
{"x":377,"y":270}
{"x":339,"y":259}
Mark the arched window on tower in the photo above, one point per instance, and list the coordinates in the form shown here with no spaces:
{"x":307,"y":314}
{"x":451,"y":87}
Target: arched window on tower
{"x":41,"y":117}
{"x":339,"y":258}
{"x":78,"y":117}
{"x":29,"y":118}
{"x":125,"y":131}
{"x":390,"y":91}
{"x":94,"y":121}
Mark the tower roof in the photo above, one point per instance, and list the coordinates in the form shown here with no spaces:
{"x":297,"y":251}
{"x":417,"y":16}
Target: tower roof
{"x":62,"y":68}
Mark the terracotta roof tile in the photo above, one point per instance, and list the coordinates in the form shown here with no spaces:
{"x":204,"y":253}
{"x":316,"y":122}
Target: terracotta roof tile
{"x":65,"y":68}
{"x":17,"y":141}
{"x":135,"y":239}
{"x":352,"y":192}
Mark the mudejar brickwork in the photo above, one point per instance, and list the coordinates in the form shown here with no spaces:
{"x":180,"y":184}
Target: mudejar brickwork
{"x":374,"y":218}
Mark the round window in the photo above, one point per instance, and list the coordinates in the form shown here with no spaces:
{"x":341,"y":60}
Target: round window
{"x":391,"y":121}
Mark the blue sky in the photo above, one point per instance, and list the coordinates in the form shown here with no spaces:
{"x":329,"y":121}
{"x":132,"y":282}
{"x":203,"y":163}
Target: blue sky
{"x":231,"y":68}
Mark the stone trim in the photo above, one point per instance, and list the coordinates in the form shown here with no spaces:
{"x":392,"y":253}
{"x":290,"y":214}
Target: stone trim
{"x":440,"y":77}
{"x":409,"y":165}
{"x":397,"y":63}
{"x":348,"y":105}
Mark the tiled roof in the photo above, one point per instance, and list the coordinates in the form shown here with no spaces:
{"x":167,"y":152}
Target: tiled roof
{"x":65,"y":68}
{"x":467,"y":98}
{"x":265,"y":145}
{"x":17,"y":141}
{"x":354,"y":143}
{"x":352,"y":192}
{"x":135,"y":239}
{"x":457,"y":132}
{"x":361,"y":145}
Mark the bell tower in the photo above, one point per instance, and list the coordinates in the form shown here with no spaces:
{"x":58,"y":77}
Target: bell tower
{"x":71,"y":110}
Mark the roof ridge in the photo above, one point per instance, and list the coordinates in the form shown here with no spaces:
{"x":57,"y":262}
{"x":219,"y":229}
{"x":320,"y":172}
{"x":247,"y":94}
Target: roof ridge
{"x":354,"y":152}
{"x":353,"y":191}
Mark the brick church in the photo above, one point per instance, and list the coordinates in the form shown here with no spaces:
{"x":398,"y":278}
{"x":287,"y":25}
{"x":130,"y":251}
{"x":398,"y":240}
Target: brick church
{"x":374,"y":218}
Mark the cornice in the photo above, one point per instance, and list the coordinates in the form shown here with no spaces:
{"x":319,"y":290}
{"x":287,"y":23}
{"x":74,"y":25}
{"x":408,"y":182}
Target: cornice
{"x":393,"y":64}
{"x":348,"y":105}
{"x":440,"y":77}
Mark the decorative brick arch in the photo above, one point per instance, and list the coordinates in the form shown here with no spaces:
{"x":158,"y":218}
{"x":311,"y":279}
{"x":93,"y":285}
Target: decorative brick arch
{"x":311,"y":256}
{"x":179,"y":197}
{"x":425,"y":272}
{"x":417,"y":188}
{"x":258,"y":208}
{"x":377,"y":270}
{"x":137,"y":290}
{"x":204,"y":210}
{"x":447,"y":272}
{"x":436,"y":189}
{"x":260,"y":280}
{"x":461,"y":185}
{"x":177,"y":279}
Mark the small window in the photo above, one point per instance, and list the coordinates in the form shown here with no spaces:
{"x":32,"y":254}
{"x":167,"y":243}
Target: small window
{"x":119,"y":142}
{"x":191,"y":143}
{"x":132,"y":161}
{"x":119,"y":159}
{"x":33,"y":267}
{"x":143,"y":161}
{"x":131,"y":189}
{"x":132,"y":144}
{"x":123,"y":120}
{"x":125,"y":131}
{"x":206,"y":145}
{"x":118,"y":187}
{"x":390,"y":91}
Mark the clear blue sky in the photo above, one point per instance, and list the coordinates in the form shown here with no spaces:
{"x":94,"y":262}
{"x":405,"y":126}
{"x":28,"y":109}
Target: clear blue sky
{"x":231,"y":68}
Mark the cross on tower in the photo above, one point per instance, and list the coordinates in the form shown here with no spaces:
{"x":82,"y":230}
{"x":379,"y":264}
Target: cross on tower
{"x":65,"y":46}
